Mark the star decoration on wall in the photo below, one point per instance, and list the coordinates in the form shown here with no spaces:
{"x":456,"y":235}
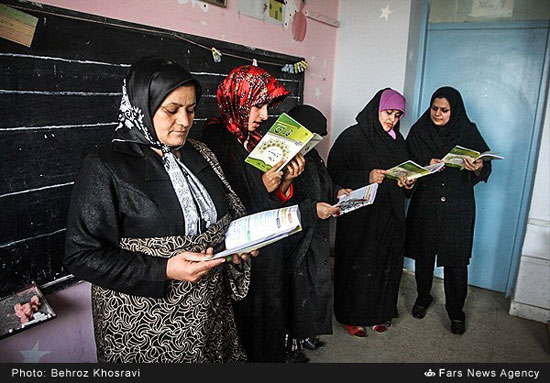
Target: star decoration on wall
{"x":385,"y":12}
{"x":318,"y":92}
{"x":33,"y":355}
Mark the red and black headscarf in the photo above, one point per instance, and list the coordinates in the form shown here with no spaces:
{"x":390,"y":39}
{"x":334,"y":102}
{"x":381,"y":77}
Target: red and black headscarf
{"x":243,"y":88}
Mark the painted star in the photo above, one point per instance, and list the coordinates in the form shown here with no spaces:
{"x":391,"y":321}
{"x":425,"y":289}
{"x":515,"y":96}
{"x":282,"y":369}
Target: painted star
{"x":385,"y":12}
{"x":318,"y":92}
{"x":33,"y":355}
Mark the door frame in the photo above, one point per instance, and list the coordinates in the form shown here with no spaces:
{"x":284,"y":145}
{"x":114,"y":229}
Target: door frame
{"x":535,"y":142}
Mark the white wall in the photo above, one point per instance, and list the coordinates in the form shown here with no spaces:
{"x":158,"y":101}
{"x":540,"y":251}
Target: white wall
{"x":371,"y":54}
{"x":531,"y":298}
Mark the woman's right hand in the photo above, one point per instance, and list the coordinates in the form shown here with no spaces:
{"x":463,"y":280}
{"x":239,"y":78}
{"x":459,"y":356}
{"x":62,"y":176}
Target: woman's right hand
{"x":325,"y":210}
{"x":377,"y":175}
{"x":190,"y":266}
{"x":272,"y":178}
{"x":434,"y":161}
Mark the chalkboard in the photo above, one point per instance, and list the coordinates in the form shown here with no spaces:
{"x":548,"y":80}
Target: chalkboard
{"x":60,"y":100}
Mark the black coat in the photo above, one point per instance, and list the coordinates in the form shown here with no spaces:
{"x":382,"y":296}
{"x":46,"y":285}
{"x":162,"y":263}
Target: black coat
{"x":308,"y":254}
{"x":441,"y":215}
{"x":369,"y":241}
{"x":123,"y":190}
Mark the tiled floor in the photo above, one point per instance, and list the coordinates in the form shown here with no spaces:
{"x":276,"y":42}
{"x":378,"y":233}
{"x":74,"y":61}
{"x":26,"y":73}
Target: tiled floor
{"x":492,"y":335}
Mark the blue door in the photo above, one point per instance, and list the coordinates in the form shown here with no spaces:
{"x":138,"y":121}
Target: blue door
{"x":499,"y":70}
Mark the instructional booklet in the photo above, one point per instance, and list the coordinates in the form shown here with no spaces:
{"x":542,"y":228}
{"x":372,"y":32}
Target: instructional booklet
{"x":286,"y":138}
{"x":356,"y":199}
{"x":257,"y":230}
{"x":455,"y":158}
{"x":411,"y":170}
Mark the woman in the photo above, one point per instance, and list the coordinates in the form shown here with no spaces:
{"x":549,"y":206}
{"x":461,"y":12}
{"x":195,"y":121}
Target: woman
{"x":145,"y":212}
{"x":440,"y":219}
{"x":308,"y":266}
{"x":244,"y":97}
{"x":370,"y":241}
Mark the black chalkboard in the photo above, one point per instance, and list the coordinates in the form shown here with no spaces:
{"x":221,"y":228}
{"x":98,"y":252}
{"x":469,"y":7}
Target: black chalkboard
{"x":59,"y":100}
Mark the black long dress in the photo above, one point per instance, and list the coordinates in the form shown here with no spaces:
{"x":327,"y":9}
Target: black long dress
{"x":441,"y":216}
{"x":261,"y":315}
{"x":370,"y":241}
{"x":309,"y":286}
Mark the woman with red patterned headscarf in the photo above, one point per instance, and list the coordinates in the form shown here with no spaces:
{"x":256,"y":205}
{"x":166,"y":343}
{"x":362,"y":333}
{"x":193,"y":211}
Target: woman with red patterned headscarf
{"x":244,"y":97}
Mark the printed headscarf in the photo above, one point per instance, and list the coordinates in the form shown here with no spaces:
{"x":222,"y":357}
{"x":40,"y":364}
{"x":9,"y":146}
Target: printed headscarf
{"x":145,"y":87}
{"x":243,"y":88}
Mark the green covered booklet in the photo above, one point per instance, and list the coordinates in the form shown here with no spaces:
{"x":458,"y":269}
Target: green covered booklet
{"x":411,"y":170}
{"x":455,"y":158}
{"x":286,"y":138}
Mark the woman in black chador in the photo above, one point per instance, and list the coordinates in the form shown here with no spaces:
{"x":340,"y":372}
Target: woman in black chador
{"x":440,"y":220}
{"x":370,"y":241}
{"x":307,"y":264}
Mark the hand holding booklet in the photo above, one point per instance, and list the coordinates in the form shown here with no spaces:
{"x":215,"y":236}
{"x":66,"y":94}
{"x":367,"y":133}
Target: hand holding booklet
{"x":455,"y":158}
{"x":257,"y":230}
{"x":356,"y":199}
{"x":286,"y":138}
{"x":411,"y":170}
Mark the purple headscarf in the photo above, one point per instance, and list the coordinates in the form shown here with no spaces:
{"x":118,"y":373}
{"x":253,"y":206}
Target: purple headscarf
{"x":391,"y":99}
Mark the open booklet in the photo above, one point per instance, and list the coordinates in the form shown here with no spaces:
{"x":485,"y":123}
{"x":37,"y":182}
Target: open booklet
{"x":411,"y":170}
{"x":455,"y":158}
{"x":356,"y":199}
{"x":286,"y":138}
{"x":257,"y":230}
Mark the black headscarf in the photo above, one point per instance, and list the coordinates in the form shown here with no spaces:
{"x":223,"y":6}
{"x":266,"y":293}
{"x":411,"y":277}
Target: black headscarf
{"x":389,"y":152}
{"x":311,"y":118}
{"x":427,"y":140}
{"x":147,"y":84}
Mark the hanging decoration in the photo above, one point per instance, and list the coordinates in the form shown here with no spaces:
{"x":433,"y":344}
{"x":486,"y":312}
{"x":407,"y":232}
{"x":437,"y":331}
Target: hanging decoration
{"x":216,"y":55}
{"x":298,"y":67}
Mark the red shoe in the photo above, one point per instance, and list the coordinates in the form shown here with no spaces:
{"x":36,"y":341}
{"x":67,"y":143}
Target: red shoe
{"x":355,"y":331}
{"x":379,"y":327}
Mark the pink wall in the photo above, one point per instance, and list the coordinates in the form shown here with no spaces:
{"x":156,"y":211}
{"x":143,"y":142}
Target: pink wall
{"x":202,"y":19}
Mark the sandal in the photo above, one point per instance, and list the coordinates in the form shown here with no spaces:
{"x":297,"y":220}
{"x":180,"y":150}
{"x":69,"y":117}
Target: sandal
{"x":355,"y":331}
{"x":379,"y":327}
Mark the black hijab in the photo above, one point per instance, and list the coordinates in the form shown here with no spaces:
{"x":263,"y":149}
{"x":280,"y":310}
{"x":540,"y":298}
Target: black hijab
{"x":389,"y":152}
{"x":147,"y":84}
{"x":310,"y":117}
{"x":427,"y":140}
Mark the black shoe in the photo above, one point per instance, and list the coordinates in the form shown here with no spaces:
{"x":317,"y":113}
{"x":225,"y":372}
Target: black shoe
{"x":458,"y":327}
{"x":313,"y":343}
{"x":419,"y":312}
{"x":296,"y":357}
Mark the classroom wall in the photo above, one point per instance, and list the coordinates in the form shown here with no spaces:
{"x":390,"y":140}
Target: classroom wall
{"x":371,"y":54}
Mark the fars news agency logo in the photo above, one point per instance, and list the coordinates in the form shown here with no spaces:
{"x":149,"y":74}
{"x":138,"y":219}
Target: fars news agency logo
{"x":429,"y":373}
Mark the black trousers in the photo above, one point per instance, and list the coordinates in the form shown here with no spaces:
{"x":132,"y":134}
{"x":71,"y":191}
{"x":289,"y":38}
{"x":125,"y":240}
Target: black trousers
{"x":455,"y":283}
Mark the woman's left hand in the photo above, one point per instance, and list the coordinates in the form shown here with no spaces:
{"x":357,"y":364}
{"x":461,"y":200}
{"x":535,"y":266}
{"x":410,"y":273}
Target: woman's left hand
{"x":473,"y":166}
{"x":294,"y":168}
{"x":406,"y":183}
{"x":236,"y":258}
{"x":343,"y":191}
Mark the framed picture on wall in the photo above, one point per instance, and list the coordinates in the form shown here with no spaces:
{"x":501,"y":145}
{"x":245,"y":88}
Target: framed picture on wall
{"x":22,"y":310}
{"x":221,"y":3}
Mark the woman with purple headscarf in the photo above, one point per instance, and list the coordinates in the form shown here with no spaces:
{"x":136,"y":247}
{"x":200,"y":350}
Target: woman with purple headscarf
{"x":369,"y":244}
